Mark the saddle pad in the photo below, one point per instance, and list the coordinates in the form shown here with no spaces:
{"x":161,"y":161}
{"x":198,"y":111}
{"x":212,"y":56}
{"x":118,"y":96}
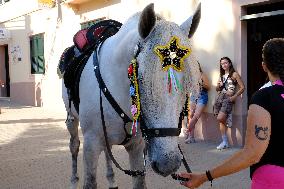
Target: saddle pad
{"x":65,"y":60}
{"x":80,"y":40}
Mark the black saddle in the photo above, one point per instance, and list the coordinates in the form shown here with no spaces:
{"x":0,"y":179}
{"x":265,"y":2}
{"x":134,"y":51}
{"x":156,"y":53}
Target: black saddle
{"x":74,"y":58}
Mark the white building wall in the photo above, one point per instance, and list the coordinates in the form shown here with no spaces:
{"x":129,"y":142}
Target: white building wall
{"x":220,"y":33}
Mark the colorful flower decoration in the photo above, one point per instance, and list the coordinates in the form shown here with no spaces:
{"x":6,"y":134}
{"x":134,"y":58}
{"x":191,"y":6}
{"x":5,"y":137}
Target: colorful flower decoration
{"x":172,"y":54}
{"x":132,"y":91}
{"x":134,"y":94}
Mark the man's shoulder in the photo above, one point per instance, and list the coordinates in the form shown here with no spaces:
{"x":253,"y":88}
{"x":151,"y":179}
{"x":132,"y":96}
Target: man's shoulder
{"x":268,"y":84}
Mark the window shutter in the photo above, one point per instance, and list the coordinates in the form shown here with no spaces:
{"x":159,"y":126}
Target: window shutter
{"x":37,"y":54}
{"x":40,"y":54}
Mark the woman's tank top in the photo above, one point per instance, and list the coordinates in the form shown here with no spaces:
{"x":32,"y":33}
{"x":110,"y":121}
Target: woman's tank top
{"x":229,"y":84}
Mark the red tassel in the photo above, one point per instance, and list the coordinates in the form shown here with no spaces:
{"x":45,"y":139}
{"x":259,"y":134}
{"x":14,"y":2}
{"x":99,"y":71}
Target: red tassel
{"x":170,"y":85}
{"x":134,"y":128}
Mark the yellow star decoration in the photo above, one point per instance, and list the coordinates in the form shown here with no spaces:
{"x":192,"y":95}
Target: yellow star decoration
{"x":172,"y":54}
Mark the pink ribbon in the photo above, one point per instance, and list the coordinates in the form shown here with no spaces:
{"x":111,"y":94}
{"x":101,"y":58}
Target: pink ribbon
{"x":279,"y":82}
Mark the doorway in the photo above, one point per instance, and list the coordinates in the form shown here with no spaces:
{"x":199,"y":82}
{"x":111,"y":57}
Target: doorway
{"x":259,"y":30}
{"x":5,"y":76}
{"x":7,"y":71}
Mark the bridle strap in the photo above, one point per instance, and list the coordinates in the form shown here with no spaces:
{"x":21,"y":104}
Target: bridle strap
{"x":106,"y":92}
{"x":110,"y":99}
{"x":161,"y":132}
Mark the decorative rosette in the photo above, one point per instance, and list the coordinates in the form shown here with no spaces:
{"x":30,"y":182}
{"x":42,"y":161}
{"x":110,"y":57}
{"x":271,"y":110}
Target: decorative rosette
{"x":172,"y":57}
{"x":134,"y":94}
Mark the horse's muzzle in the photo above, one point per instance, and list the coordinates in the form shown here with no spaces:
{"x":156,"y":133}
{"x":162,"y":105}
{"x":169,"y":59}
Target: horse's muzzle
{"x":156,"y":169}
{"x":164,"y":170}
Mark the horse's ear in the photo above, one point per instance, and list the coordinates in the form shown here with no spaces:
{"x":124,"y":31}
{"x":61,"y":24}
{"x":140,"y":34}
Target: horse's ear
{"x":191,"y":24}
{"x":147,"y":21}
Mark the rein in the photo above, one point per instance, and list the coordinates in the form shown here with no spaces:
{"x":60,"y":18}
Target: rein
{"x":120,"y":112}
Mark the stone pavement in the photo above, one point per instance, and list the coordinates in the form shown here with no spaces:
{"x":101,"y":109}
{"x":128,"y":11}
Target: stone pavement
{"x":34,"y":154}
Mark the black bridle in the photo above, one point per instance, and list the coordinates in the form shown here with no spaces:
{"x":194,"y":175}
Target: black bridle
{"x":160,"y":132}
{"x":147,"y":133}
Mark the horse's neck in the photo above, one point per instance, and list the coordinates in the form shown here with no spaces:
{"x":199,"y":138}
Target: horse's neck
{"x":119,"y":48}
{"x":115,"y":56}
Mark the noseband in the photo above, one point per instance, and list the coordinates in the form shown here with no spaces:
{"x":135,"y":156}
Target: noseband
{"x":148,"y":133}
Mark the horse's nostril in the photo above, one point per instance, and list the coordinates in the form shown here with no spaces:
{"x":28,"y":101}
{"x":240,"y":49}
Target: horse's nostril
{"x":155,"y":167}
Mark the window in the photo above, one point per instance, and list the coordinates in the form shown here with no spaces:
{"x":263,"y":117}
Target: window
{"x":37,"y":54}
{"x":90,"y":23}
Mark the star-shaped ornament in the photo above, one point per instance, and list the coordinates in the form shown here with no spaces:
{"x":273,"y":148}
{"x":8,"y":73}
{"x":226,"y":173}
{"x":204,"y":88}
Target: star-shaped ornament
{"x":172,"y":54}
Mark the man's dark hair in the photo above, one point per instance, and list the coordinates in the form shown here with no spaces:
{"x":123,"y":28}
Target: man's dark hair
{"x":273,"y":56}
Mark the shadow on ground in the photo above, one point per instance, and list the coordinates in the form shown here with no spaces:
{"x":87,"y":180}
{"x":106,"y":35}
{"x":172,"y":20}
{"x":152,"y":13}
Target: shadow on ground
{"x":38,"y":155}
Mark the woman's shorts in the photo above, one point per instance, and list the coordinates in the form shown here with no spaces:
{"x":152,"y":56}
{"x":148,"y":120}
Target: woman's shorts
{"x":268,"y":177}
{"x":222,"y":104}
{"x":203,"y":98}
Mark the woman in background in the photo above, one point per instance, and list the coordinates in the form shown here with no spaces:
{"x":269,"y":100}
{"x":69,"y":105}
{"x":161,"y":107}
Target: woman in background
{"x":197,"y":105}
{"x":227,"y":95}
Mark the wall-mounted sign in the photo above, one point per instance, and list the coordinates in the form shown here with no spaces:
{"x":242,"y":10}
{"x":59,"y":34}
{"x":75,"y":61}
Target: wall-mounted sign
{"x":16,"y":53}
{"x":4,"y":34}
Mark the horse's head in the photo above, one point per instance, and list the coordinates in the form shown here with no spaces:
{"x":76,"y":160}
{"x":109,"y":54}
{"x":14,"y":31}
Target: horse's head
{"x":167,"y":72}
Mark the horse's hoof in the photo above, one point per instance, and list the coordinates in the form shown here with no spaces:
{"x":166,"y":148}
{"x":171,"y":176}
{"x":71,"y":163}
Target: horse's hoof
{"x":113,"y":187}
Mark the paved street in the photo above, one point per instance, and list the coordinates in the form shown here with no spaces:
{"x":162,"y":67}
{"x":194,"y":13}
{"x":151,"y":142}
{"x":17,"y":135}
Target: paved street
{"x":34,"y":154}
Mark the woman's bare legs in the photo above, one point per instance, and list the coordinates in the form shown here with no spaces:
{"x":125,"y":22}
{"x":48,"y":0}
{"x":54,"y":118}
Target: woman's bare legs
{"x":222,"y":126}
{"x":197,"y":114}
{"x":194,"y":118}
{"x":189,"y":117}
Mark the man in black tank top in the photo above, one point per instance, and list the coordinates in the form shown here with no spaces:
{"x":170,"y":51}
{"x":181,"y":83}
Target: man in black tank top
{"x":264,"y":136}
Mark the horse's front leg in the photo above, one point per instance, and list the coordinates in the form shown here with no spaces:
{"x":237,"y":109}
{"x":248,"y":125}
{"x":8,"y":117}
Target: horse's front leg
{"x":72,"y":126}
{"x":110,"y":173}
{"x":135,"y":151}
{"x":91,"y":152}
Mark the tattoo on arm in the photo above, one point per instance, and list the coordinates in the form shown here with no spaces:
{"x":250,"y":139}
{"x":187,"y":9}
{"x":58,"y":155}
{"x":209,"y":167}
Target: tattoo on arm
{"x":261,"y":132}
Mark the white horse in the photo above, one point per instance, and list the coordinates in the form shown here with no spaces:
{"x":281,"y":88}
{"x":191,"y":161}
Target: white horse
{"x":161,"y":108}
